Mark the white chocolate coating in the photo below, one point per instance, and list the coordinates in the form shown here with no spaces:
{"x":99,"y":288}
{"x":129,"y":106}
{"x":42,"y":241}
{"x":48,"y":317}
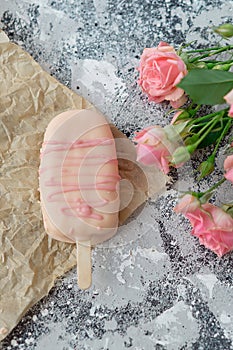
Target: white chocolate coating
{"x":79,"y":180}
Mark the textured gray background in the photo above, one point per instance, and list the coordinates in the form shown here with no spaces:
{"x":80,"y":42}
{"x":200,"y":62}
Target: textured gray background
{"x":159,"y":289}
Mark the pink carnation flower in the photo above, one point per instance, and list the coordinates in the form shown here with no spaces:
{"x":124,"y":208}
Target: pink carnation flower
{"x":212,"y":225}
{"x":229,"y":100}
{"x":154,"y":148}
{"x":161,"y":69}
{"x":228,"y":167}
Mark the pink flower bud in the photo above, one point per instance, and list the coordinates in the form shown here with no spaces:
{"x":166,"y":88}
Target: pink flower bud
{"x":228,"y":167}
{"x":154,"y":148}
{"x":212,"y":225}
{"x":229,"y":100}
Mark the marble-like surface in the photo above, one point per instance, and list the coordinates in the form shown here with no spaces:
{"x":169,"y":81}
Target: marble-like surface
{"x":154,"y":287}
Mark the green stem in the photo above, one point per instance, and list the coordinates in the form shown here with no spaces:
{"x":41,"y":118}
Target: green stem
{"x":214,"y":186}
{"x":208,"y":116}
{"x":197,"y":120}
{"x":218,"y":62}
{"x":203,"y":124}
{"x":203,"y":50}
{"x":222,"y":49}
{"x":209,"y":126}
{"x":225,"y":130}
{"x":194,"y":111}
{"x":198,"y":107}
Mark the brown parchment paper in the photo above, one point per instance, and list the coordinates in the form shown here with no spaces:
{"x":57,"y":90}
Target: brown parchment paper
{"x":30,"y":261}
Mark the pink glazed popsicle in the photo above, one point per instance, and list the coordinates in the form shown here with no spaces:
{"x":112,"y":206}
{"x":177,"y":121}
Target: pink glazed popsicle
{"x":79,"y":184}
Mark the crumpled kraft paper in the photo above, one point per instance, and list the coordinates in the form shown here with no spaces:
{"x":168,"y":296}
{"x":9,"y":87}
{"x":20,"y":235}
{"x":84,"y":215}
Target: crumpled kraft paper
{"x":30,"y":261}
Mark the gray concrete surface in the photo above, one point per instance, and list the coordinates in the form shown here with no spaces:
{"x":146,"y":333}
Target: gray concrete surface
{"x":154,"y":287}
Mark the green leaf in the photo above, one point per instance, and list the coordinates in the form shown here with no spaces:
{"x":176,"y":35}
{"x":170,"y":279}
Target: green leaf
{"x":206,"y":167}
{"x":206,"y":86}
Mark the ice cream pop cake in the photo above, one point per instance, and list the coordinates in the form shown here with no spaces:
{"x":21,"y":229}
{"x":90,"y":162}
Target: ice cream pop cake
{"x":79,"y":183}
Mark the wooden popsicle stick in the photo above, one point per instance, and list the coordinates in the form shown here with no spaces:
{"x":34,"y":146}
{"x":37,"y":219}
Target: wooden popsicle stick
{"x":84,"y":264}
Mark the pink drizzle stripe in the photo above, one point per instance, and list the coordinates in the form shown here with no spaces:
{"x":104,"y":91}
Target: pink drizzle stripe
{"x":81,"y":208}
